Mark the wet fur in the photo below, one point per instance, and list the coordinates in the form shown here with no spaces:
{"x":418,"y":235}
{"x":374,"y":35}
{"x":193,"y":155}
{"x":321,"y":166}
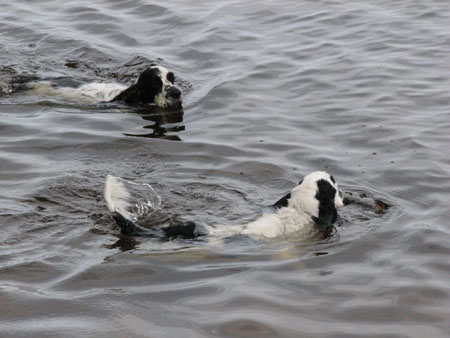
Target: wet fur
{"x":310,"y":207}
{"x":155,"y":85}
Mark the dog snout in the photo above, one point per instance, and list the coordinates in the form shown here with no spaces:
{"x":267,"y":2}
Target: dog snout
{"x":174,"y":92}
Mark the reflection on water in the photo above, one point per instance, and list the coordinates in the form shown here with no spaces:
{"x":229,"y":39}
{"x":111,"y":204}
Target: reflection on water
{"x":165,"y":124}
{"x":124,"y":243}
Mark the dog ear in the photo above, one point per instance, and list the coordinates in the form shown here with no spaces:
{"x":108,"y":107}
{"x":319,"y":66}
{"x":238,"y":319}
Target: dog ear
{"x":327,"y":210}
{"x":283,"y":202}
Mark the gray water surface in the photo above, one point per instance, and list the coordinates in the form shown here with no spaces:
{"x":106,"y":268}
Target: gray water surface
{"x":272,"y":91}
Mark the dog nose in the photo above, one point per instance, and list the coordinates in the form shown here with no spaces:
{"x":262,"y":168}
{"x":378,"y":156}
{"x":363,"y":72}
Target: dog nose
{"x":174,"y":92}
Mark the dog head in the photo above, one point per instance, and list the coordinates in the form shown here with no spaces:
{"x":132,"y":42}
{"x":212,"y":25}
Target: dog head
{"x":154,"y":85}
{"x":159,"y":84}
{"x":318,"y":196}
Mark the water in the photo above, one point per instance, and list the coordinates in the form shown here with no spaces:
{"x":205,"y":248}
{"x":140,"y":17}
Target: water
{"x":272,"y":91}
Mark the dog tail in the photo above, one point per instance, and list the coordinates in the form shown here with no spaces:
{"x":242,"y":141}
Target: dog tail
{"x":117,"y":200}
{"x":117,"y":196}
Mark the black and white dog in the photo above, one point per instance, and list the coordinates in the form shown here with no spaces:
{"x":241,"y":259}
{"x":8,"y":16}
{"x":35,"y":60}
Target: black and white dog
{"x":309,"y":208}
{"x":155,"y":85}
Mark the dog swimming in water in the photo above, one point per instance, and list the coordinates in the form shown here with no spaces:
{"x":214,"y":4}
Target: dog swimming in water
{"x":310,"y":207}
{"x":154,"y":86}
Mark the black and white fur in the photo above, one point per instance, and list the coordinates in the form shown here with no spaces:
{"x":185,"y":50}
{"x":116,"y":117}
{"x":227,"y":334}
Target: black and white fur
{"x":155,"y":85}
{"x":309,"y":208}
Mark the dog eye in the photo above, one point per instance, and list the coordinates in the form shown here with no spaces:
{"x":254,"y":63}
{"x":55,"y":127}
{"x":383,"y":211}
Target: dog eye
{"x":171,"y":77}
